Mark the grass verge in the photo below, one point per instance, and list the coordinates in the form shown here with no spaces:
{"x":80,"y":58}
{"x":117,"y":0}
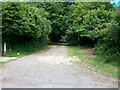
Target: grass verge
{"x":20,"y":50}
{"x":96,"y":62}
{"x":0,"y":64}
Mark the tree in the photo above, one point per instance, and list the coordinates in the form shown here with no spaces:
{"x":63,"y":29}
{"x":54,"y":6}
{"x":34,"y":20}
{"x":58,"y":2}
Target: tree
{"x":110,"y":45}
{"x":58,"y":17}
{"x":89,"y":21}
{"x":24,"y":23}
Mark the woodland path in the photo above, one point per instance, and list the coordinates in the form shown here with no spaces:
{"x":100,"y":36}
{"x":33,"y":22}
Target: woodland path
{"x":51,"y":69}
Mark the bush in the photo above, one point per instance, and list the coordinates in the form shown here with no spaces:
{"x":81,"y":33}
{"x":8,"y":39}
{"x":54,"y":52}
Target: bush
{"x":110,"y":44}
{"x":24,"y":23}
{"x":90,"y":22}
{"x":97,"y":23}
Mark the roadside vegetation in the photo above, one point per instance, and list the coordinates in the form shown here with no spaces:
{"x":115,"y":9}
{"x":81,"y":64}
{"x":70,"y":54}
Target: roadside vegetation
{"x":92,"y":61}
{"x":29,"y":27}
{"x":96,"y":25}
{"x":25,"y":28}
{"x":0,"y":64}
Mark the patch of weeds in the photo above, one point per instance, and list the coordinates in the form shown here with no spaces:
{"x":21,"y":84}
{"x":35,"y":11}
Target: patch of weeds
{"x":23,"y":50}
{"x":97,"y":62}
{"x":1,"y":64}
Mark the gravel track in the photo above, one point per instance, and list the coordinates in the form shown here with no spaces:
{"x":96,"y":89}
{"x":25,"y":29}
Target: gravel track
{"x":51,"y":69}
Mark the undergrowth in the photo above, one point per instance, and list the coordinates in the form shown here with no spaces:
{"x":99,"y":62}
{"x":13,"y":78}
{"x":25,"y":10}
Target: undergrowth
{"x":97,"y":62}
{"x":21,"y":50}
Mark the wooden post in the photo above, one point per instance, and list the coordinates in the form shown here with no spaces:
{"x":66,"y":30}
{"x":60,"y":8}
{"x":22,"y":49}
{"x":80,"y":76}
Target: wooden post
{"x":4,"y":48}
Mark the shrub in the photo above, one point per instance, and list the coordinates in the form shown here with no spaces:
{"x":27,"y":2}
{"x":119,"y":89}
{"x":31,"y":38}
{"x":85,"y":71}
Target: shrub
{"x":24,"y":23}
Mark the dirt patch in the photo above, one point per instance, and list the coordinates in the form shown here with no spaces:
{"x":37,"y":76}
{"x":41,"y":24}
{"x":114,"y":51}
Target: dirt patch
{"x":89,"y":53}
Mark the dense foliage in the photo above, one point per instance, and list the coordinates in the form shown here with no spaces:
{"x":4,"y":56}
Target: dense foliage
{"x":58,"y":17}
{"x":97,"y":24}
{"x":23,"y":23}
{"x":0,"y":30}
{"x":110,"y":44}
{"x":79,"y":23}
{"x":90,"y":20}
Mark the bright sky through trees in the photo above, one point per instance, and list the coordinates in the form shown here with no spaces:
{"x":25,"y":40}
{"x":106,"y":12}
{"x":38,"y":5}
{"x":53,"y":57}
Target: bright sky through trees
{"x":115,"y":1}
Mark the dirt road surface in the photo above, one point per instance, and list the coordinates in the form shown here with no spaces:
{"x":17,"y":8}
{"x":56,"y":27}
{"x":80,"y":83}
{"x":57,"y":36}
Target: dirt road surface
{"x":51,"y":69}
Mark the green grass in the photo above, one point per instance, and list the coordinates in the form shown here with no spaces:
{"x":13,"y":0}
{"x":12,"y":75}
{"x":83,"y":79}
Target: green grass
{"x":0,"y":64}
{"x":20,"y":53}
{"x":23,"y":50}
{"x":97,"y":63}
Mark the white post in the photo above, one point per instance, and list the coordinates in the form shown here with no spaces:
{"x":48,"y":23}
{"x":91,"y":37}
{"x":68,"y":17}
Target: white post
{"x":4,"y":48}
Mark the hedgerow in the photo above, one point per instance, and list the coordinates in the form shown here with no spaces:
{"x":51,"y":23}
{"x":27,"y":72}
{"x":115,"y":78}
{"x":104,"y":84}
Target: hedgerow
{"x":24,"y":23}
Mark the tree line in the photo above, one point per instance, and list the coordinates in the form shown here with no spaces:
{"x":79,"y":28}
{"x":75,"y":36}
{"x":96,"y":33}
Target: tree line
{"x":34,"y":24}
